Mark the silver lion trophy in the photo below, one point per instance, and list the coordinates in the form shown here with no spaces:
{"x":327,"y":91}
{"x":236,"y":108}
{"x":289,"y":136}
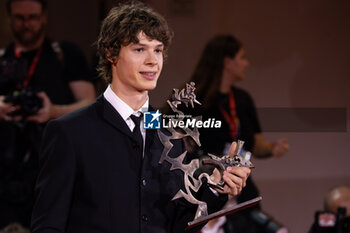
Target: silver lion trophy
{"x":187,"y":97}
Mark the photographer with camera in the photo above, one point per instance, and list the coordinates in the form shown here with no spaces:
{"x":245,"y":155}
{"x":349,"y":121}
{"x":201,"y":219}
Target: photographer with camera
{"x":39,"y":80}
{"x":335,"y":218}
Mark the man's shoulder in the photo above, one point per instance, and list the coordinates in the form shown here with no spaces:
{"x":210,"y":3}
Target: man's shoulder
{"x":66,"y":43}
{"x":73,"y":59}
{"x":67,"y":47}
{"x":62,"y":48}
{"x":83,"y":115}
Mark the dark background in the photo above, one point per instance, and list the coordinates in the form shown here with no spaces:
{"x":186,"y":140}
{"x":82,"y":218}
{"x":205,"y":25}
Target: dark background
{"x":300,"y":57}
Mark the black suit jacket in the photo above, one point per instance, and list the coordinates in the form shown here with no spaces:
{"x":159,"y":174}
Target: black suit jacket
{"x":89,"y":181}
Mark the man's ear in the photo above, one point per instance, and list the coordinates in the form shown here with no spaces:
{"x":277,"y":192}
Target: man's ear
{"x":110,"y":58}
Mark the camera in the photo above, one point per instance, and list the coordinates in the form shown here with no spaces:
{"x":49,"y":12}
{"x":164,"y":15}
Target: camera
{"x":266,"y":222}
{"x":327,"y":222}
{"x":27,"y":99}
{"x":12,"y":73}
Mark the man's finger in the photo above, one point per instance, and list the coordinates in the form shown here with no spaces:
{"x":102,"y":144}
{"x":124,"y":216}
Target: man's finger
{"x":232,"y":180}
{"x":241,"y":172}
{"x":232,"y":149}
{"x":233,"y":184}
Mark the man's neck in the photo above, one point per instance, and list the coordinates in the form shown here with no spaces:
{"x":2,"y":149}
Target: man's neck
{"x":28,"y":47}
{"x":134,"y":100}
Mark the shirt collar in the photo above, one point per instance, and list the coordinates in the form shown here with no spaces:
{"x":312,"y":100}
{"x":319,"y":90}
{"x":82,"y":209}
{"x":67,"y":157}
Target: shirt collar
{"x":123,"y":108}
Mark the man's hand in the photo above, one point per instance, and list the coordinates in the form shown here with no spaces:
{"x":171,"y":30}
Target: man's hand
{"x":280,"y":147}
{"x":83,"y":92}
{"x":45,"y":113}
{"x":6,"y":109}
{"x":235,"y":177}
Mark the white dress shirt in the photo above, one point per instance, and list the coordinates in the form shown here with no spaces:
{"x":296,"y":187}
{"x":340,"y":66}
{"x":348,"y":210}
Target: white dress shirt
{"x":125,"y":110}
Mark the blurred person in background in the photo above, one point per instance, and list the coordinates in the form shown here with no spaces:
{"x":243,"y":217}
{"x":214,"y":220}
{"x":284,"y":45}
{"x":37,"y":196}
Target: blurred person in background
{"x":40,"y":80}
{"x":335,"y":218}
{"x":336,"y":197}
{"x":221,"y":66}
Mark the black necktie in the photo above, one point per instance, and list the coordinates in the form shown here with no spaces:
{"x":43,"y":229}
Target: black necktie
{"x":136,"y":132}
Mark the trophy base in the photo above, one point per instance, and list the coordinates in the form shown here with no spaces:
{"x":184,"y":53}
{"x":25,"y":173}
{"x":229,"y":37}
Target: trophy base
{"x":223,"y":212}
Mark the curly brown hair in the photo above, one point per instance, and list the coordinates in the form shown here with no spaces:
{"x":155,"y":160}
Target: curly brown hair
{"x":122,"y":26}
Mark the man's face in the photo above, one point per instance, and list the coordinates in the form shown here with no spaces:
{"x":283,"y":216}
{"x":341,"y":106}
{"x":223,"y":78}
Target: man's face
{"x":138,"y":66}
{"x":28,"y":21}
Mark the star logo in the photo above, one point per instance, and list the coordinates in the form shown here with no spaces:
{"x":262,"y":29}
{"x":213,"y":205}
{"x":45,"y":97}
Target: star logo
{"x":151,"y":120}
{"x":156,"y":116}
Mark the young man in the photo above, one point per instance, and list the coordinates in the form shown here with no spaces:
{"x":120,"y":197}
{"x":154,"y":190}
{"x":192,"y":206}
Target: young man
{"x":96,"y":176}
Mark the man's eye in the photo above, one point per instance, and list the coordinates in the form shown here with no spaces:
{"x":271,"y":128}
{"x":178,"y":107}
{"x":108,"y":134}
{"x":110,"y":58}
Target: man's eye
{"x":159,"y":50}
{"x":18,"y":17}
{"x":139,"y":50}
{"x":34,"y":17}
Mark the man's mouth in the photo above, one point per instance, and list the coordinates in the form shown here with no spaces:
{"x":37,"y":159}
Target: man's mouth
{"x":149,"y":75}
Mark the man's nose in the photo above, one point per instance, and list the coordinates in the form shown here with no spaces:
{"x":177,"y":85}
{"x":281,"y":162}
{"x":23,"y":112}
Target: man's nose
{"x":27,"y":23}
{"x":151,"y":58}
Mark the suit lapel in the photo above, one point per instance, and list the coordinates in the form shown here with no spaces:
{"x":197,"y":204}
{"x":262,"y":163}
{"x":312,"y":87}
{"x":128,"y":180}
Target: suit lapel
{"x":113,"y":117}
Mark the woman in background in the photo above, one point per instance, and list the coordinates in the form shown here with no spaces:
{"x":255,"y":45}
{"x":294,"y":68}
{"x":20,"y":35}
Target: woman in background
{"x":222,"y":65}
